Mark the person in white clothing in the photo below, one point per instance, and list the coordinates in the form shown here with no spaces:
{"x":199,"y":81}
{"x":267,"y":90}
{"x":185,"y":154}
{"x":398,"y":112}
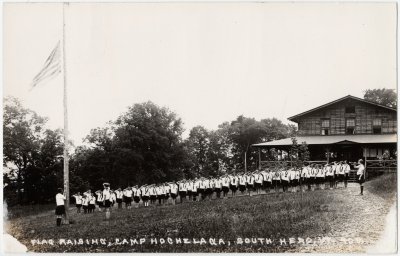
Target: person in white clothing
{"x":145,"y":193}
{"x":242,"y":182}
{"x":250,"y":183}
{"x":320,"y":176}
{"x":60,"y":208}
{"x":119,"y":196}
{"x":234,"y":184}
{"x":128,"y":197}
{"x":218,"y":187}
{"x":182,"y":190}
{"x":173,"y":191}
{"x":225,"y":186}
{"x":189,"y":189}
{"x":136,"y":196}
{"x":340,"y":173}
{"x":360,"y":174}
{"x":346,"y":168}
{"x":99,"y":199}
{"x":276,"y":179}
{"x":78,"y":202}
{"x":107,"y":199}
{"x":258,"y":180}
{"x":92,"y":202}
{"x":285,"y":178}
{"x":85,"y":203}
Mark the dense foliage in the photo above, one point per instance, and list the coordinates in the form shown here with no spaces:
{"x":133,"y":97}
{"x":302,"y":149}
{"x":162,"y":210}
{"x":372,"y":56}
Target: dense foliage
{"x":386,"y":97}
{"x":144,"y":145}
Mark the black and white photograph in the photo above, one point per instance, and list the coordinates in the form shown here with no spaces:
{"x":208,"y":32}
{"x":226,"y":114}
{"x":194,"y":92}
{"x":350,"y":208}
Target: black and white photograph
{"x":199,"y":127}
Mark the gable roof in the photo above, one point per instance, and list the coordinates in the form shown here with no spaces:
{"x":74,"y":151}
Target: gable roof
{"x":293,"y":118}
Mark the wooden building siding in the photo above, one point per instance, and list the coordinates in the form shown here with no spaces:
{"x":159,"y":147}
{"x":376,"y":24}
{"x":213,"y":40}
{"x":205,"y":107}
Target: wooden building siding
{"x":364,"y":115}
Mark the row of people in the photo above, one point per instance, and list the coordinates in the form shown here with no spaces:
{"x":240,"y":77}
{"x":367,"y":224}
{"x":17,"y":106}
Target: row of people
{"x":312,"y":176}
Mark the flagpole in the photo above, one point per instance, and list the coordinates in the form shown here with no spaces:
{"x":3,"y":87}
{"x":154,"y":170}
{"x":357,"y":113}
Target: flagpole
{"x":66,"y":141}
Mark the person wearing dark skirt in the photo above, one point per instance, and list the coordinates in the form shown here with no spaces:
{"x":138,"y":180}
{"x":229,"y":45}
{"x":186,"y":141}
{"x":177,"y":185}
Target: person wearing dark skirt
{"x":85,"y":203}
{"x":276,"y":179}
{"x":360,"y":175}
{"x":92,"y":202}
{"x":182,"y":190}
{"x":173,"y":191}
{"x":258,"y":181}
{"x":312,"y":181}
{"x":194,"y":190}
{"x":250,"y":183}
{"x":99,"y":200}
{"x":128,"y":197}
{"x":340,"y":173}
{"x":320,"y":176}
{"x":234,"y":184}
{"x":242,"y":182}
{"x":189,"y":189}
{"x":153,"y":194}
{"x":285,"y":178}
{"x":218,"y":187}
{"x":78,"y":202}
{"x":60,"y":208}
{"x":145,"y":193}
{"x":119,"y":195}
{"x":346,"y":168}
{"x":136,"y":196}
{"x":107,"y":199}
{"x":225,"y":186}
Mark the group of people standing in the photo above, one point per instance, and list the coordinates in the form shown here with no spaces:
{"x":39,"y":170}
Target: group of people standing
{"x":279,"y":178}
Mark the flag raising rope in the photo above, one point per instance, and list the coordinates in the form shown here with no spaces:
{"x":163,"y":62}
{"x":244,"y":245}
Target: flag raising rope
{"x":51,"y":68}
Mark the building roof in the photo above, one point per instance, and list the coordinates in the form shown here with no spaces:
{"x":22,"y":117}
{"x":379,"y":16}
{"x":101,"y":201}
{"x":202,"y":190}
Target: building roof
{"x":333,"y":139}
{"x":295,"y":117}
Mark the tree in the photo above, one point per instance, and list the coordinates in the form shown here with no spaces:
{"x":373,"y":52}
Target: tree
{"x":31,"y":152}
{"x":276,"y":130}
{"x":198,"y":145}
{"x":386,"y":97}
{"x":299,"y":153}
{"x":147,"y":144}
{"x":244,"y":132}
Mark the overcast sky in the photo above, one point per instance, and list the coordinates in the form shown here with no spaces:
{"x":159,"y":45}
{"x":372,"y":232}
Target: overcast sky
{"x":208,"y":62}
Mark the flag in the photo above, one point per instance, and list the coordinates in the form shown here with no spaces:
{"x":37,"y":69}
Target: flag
{"x":51,"y":68}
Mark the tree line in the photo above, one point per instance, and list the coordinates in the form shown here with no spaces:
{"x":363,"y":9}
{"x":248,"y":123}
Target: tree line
{"x":143,"y":145}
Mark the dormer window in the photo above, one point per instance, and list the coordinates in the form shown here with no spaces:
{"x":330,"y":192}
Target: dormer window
{"x":350,"y":110}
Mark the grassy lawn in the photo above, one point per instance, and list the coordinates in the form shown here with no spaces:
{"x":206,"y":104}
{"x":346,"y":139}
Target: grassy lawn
{"x":273,"y":216}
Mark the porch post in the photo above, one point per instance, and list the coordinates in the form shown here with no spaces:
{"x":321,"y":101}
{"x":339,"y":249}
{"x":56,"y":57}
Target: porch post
{"x":259,"y":158}
{"x":327,"y":151}
{"x":365,"y":161}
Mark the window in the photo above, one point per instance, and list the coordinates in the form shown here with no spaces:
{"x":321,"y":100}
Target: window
{"x":350,"y":125}
{"x":325,"y":123}
{"x":376,"y":122}
{"x":350,"y":110}
{"x":376,"y":126}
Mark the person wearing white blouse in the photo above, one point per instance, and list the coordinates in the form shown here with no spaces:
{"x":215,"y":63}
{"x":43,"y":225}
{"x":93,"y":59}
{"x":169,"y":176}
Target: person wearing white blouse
{"x":60,"y":208}
{"x":360,"y":175}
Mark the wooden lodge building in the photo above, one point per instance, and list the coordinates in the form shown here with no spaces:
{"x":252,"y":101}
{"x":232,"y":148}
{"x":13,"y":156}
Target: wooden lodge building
{"x":349,"y":128}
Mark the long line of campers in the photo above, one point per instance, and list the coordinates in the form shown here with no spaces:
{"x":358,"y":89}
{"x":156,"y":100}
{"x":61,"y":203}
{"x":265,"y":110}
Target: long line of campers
{"x":270,"y":180}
